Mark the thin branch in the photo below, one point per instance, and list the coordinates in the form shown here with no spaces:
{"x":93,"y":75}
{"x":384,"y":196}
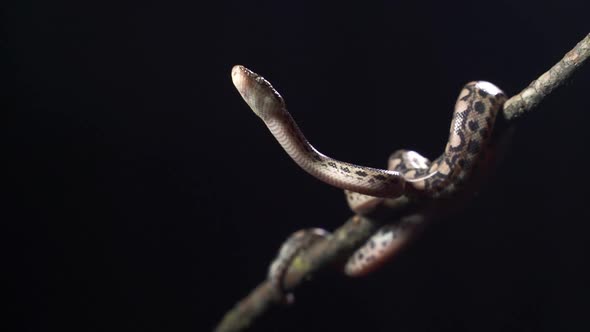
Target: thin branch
{"x":342,"y":243}
{"x":359,"y":228}
{"x":246,"y":311}
{"x":533,"y":94}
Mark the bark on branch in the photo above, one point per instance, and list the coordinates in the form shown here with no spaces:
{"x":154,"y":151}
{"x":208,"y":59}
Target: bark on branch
{"x":532,"y":95}
{"x":359,"y":228}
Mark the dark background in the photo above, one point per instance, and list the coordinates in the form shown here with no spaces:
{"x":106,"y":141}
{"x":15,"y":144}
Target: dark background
{"x":143,"y":194}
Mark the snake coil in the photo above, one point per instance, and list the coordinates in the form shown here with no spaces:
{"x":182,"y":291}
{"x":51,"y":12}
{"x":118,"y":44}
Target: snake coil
{"x":409,"y":175}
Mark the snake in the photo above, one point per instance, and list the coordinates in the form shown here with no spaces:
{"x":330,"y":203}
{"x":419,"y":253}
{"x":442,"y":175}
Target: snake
{"x":294,"y":244}
{"x":409,"y":178}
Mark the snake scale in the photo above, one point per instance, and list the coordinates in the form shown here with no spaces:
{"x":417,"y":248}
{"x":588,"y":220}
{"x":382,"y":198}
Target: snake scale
{"x":410,"y":177}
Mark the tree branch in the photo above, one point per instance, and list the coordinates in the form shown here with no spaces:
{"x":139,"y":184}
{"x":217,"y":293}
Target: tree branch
{"x":532,"y":95}
{"x":342,"y":243}
{"x":359,"y":228}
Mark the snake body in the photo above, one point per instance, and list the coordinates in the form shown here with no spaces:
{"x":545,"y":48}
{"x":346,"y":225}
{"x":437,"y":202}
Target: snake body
{"x":409,"y":177}
{"x":268,"y":104}
{"x":297,"y":242}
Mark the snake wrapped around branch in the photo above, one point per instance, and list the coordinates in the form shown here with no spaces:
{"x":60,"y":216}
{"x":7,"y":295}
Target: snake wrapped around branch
{"x":409,"y":177}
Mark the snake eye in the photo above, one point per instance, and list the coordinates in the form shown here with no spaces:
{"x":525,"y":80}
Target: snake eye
{"x":258,"y":93}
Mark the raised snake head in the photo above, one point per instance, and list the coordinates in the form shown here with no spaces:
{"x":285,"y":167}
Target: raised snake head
{"x":258,"y":93}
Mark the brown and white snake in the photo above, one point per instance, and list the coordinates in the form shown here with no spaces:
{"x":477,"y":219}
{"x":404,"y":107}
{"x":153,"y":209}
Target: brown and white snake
{"x":409,"y":179}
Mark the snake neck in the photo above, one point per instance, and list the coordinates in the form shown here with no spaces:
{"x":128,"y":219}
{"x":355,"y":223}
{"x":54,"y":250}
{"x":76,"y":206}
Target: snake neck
{"x":361,"y":179}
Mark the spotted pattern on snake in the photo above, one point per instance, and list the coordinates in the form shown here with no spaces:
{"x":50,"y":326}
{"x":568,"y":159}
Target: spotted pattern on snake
{"x":409,"y":177}
{"x":466,"y":150}
{"x":471,"y":127}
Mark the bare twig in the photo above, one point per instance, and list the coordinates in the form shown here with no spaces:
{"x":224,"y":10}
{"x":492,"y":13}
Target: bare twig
{"x":246,"y":311}
{"x":359,"y":228}
{"x":532,"y":95}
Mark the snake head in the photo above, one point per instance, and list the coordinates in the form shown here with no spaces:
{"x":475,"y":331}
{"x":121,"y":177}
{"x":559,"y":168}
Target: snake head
{"x":258,"y":93}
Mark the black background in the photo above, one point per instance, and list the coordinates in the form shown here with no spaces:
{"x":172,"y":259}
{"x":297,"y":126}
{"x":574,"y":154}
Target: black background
{"x":143,"y":194}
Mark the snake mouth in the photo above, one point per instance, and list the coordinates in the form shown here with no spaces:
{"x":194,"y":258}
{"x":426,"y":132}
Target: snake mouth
{"x":239,"y":71}
{"x":258,"y":93}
